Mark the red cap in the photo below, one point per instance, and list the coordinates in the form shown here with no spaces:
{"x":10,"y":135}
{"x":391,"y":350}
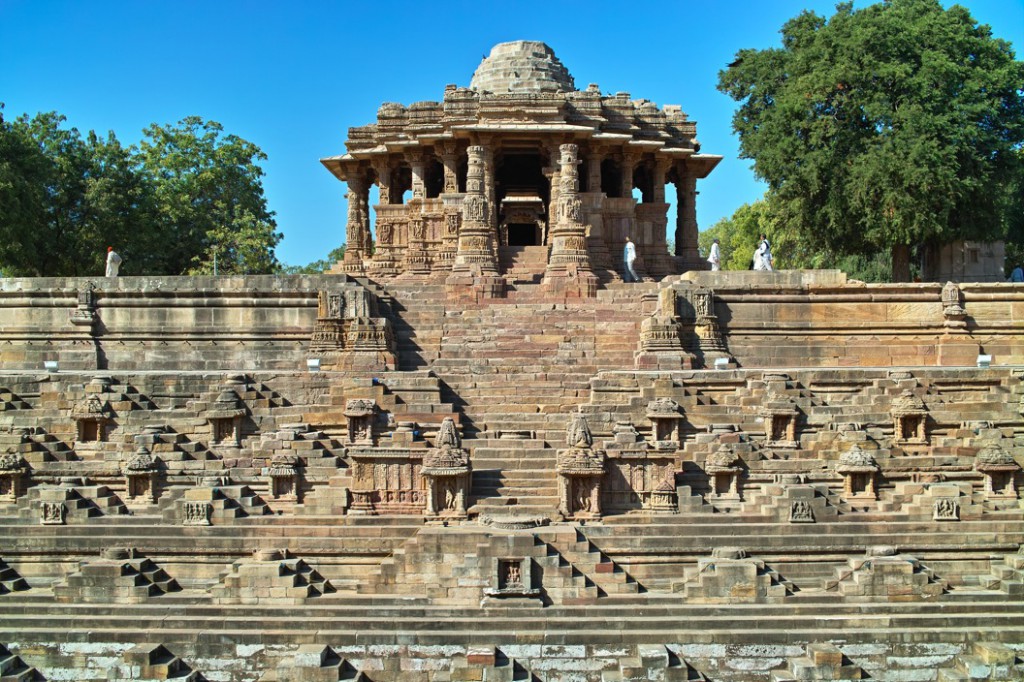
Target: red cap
{"x":110,"y":248}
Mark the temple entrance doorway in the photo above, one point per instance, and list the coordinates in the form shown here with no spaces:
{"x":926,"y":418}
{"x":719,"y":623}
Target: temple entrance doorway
{"x":523,"y":234}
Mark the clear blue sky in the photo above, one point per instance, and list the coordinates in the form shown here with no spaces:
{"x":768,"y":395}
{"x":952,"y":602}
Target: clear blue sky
{"x":292,"y":77}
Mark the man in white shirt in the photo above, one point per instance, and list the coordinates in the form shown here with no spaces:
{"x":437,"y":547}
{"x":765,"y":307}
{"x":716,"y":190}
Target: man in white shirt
{"x":113,"y":262}
{"x":763,"y":257}
{"x":715,"y":257}
{"x":629,"y":256}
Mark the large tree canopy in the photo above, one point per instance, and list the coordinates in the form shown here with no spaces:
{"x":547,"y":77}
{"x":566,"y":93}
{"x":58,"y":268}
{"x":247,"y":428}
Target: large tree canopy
{"x":885,"y":127}
{"x":186,"y":195}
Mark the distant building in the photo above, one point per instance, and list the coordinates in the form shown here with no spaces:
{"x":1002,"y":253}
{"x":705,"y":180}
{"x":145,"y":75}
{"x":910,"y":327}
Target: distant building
{"x":964,"y":261}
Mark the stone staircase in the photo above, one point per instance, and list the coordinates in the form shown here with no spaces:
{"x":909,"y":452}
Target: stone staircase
{"x":79,"y":503}
{"x":129,"y":580}
{"x":986,"y":661}
{"x":13,"y":669}
{"x":822,"y":661}
{"x":11,"y":580}
{"x":578,"y":551}
{"x":523,"y":264}
{"x":653,"y":663}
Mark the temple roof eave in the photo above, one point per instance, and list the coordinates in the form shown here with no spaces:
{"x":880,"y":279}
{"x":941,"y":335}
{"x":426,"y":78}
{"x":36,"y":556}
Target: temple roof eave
{"x":703,"y":164}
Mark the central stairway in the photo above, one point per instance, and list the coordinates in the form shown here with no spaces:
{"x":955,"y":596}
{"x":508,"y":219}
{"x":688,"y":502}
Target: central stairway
{"x":515,"y":368}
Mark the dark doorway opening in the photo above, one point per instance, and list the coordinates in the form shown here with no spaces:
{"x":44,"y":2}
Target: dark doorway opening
{"x":522,"y":234}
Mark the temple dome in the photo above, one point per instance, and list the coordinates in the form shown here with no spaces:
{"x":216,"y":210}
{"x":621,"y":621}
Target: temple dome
{"x":522,"y":66}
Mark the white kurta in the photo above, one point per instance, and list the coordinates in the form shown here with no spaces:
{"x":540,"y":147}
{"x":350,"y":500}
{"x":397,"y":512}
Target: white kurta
{"x":715,"y":257}
{"x":113,"y":263}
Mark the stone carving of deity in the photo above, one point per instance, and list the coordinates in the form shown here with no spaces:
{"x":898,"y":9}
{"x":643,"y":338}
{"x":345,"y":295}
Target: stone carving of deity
{"x":475,"y":207}
{"x":385,"y":232}
{"x":578,"y":435}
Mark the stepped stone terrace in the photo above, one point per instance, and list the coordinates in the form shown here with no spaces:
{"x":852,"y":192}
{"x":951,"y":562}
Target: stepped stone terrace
{"x":503,"y":475}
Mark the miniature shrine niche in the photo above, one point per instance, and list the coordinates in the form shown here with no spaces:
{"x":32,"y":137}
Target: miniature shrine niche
{"x":580,"y":473}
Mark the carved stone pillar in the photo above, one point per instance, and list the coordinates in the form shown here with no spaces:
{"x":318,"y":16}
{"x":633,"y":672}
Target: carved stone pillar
{"x":594,"y":171}
{"x":487,"y":156}
{"x":628,"y":164}
{"x":475,"y":257}
{"x":658,"y":181}
{"x":383,"y":170}
{"x":357,"y":229}
{"x":419,"y":188}
{"x":686,"y":217}
{"x":569,"y":271}
{"x":449,"y":160}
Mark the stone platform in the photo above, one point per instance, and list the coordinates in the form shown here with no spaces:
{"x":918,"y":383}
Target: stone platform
{"x":715,"y":476}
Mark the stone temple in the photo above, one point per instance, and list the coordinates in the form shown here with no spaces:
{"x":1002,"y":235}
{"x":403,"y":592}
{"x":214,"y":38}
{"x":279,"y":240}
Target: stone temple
{"x":476,"y":454}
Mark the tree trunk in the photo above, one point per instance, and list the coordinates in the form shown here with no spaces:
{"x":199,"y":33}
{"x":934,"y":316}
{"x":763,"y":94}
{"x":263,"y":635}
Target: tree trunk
{"x":901,"y":263}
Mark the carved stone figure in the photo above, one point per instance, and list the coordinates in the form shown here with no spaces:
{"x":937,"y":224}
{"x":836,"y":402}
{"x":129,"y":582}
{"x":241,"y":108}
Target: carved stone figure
{"x":577,"y":435}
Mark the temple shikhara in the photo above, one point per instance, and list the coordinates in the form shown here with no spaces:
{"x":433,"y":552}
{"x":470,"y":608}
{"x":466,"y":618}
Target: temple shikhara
{"x":473,"y":452}
{"x":522,"y":175}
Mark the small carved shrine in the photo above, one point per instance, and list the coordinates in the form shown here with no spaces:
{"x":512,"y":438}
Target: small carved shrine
{"x":12,"y":472}
{"x":858,"y":469}
{"x":446,"y":473}
{"x":92,"y":415}
{"x":225,"y":418}
{"x":723,"y":469}
{"x":665,"y":415}
{"x":140,"y":477}
{"x":282,"y":474}
{"x":910,"y":419}
{"x":780,"y":419}
{"x":1000,"y":471}
{"x":580,"y":472}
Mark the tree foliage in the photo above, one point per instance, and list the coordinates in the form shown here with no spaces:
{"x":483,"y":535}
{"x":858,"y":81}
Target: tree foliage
{"x":885,"y":127}
{"x":185,"y":194}
{"x":316,"y":267}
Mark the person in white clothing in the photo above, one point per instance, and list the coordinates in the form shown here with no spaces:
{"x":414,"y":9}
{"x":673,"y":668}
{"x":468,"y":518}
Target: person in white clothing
{"x":763,"y":255}
{"x":715,"y":257}
{"x":629,"y":256}
{"x":113,"y":262}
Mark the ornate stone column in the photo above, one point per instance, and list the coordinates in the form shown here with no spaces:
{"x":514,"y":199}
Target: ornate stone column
{"x":628,"y":164}
{"x":475,"y":263}
{"x":449,"y":160}
{"x":357,"y":229}
{"x":568,"y":272}
{"x":686,"y":217}
{"x":594,"y":170}
{"x":419,"y":189}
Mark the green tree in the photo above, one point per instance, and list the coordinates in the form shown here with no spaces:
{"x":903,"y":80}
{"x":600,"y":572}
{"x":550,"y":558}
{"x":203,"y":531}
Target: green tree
{"x":207,"y":199}
{"x":63,"y":198}
{"x":316,"y":267}
{"x":883,"y":128}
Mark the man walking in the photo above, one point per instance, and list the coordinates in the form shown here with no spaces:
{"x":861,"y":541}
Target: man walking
{"x":715,"y":257}
{"x":763,"y":257}
{"x":629,"y":256}
{"x":113,"y":262}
